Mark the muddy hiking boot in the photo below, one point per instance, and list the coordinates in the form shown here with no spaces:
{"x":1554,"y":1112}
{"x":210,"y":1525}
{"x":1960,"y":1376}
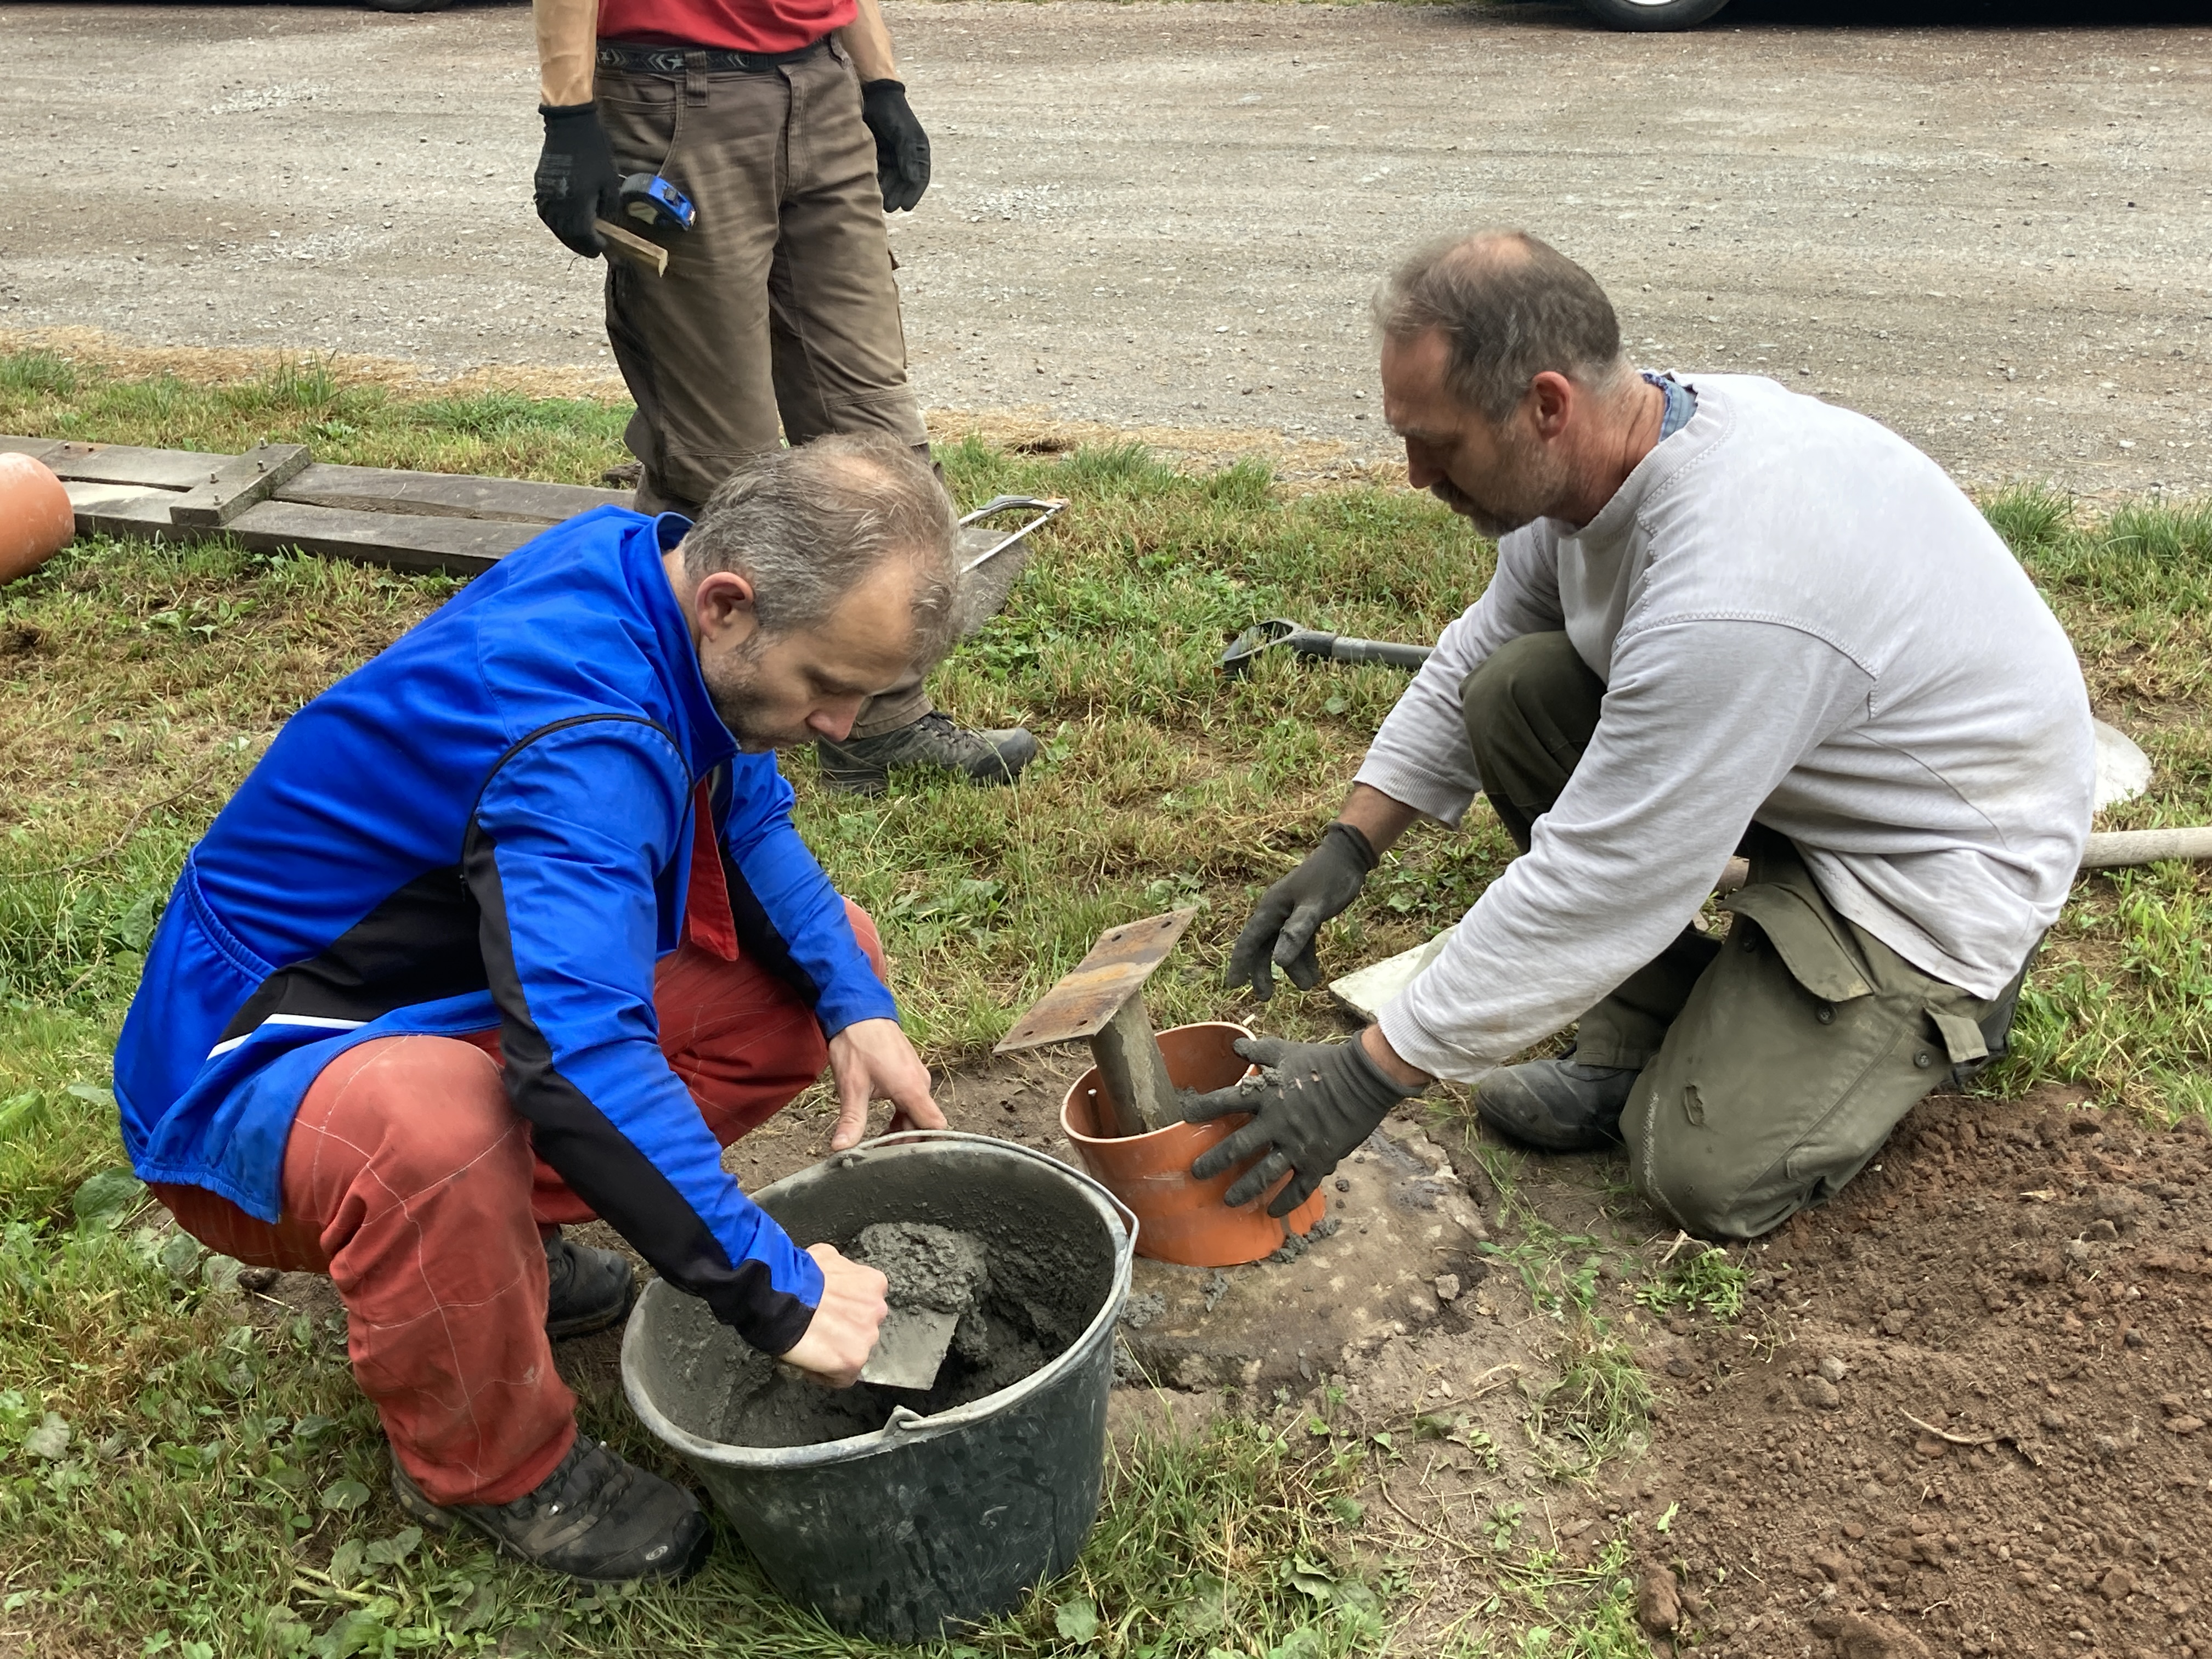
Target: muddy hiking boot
{"x":595,"y":1517}
{"x":587,"y":1290}
{"x":1556,"y":1105}
{"x":863,"y":766}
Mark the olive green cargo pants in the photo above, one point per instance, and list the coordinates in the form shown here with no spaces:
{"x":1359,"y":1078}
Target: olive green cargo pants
{"x":1775,"y":1062}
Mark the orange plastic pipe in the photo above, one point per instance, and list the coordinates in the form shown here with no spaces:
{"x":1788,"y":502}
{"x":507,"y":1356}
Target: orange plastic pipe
{"x":36,"y":519}
{"x":1179,"y":1219}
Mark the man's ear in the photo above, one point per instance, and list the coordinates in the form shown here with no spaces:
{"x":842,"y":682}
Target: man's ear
{"x":723,"y":604}
{"x":1552,"y":398}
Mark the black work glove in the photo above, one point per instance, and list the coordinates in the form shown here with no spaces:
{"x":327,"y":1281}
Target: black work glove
{"x":1313,"y":1103}
{"x":576,"y":181}
{"x":901,"y":147}
{"x":1291,"y":912}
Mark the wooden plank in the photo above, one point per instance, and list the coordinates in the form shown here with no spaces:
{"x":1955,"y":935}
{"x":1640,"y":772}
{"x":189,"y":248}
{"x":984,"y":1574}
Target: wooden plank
{"x":123,"y":510}
{"x":444,"y":495}
{"x":2116,"y":849}
{"x":153,"y":469}
{"x":460,"y":547}
{"x":237,"y":484}
{"x":646,"y":256}
{"x":36,"y":448}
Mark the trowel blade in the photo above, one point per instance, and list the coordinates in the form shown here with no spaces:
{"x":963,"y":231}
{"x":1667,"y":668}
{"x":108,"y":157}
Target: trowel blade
{"x":910,"y":1347}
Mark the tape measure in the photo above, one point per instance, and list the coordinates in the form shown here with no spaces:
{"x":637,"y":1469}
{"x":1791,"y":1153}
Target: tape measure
{"x":652,"y":202}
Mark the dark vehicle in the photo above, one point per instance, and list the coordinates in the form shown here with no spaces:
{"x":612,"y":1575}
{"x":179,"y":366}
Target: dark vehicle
{"x":1651,"y":14}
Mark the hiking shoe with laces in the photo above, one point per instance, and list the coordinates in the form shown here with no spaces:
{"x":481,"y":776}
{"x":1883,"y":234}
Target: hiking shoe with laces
{"x":595,"y":1517}
{"x":1558,"y":1105}
{"x":863,"y":766}
{"x":587,"y":1290}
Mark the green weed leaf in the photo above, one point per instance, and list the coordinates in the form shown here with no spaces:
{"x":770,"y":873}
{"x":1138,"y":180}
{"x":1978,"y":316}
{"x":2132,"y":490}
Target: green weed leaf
{"x":345,"y":1563}
{"x":357,"y":1631}
{"x":345,"y":1495}
{"x":50,"y":1439}
{"x":180,"y":1255}
{"x":1207,"y":1608}
{"x":1075,"y":1620}
{"x":17,"y":1109}
{"x":390,"y":1552}
{"x":102,"y":1202}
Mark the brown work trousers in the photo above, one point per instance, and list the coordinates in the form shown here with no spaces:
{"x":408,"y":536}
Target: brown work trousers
{"x":778,"y":318}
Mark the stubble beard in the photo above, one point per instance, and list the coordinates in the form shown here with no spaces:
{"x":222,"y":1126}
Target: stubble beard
{"x":1526,"y":486}
{"x":730,"y":687}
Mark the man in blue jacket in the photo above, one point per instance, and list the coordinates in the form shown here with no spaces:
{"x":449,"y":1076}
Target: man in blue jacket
{"x":511,"y":927}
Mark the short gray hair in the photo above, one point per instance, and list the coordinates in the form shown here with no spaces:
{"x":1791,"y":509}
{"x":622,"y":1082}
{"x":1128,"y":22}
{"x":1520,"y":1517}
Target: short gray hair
{"x":1510,"y":307}
{"x":806,"y":526}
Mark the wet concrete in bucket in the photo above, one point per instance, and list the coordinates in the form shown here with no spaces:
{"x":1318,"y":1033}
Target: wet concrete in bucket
{"x":1024,"y":1305}
{"x":930,"y":1266}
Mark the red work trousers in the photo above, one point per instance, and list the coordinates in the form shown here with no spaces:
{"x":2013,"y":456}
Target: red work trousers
{"x":410,"y":1180}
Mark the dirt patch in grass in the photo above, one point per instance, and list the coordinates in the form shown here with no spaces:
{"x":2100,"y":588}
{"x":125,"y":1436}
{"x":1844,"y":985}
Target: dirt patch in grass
{"x":1971,"y":1419}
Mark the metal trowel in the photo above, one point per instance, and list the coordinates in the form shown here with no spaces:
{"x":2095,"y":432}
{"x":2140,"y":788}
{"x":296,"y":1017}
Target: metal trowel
{"x":910,"y":1348}
{"x":935,"y":1277}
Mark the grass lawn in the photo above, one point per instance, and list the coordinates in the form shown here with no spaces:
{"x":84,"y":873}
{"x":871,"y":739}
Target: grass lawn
{"x":176,"y":1476}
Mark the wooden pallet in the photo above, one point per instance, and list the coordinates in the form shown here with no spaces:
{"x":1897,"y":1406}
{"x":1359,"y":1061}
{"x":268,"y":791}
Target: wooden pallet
{"x":276,"y":498}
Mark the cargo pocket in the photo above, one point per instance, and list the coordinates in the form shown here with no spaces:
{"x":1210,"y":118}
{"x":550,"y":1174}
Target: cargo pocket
{"x":1817,"y":957}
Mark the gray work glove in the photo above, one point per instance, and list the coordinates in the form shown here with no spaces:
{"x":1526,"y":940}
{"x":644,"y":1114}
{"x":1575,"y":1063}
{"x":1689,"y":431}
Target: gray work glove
{"x":1290,"y":913}
{"x":1312,"y":1103}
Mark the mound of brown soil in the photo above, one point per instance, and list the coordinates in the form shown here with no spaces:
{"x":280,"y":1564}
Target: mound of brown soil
{"x":1980,"y":1426}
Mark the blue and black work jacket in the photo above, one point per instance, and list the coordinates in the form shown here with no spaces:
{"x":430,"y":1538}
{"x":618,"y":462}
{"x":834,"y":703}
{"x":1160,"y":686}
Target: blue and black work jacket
{"x":493,"y":822}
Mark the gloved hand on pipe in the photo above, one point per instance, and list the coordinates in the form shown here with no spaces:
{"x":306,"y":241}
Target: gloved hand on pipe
{"x":576,"y":180}
{"x":1311,"y":1104}
{"x":901,"y":147}
{"x":1282,"y":929}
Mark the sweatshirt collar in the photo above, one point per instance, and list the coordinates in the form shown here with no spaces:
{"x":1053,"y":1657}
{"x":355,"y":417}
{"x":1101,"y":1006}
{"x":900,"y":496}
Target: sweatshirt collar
{"x":1618,"y":516}
{"x":706,"y":742}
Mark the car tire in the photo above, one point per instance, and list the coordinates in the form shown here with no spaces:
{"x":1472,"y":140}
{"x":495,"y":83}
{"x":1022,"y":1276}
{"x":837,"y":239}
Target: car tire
{"x":1650,"y":16}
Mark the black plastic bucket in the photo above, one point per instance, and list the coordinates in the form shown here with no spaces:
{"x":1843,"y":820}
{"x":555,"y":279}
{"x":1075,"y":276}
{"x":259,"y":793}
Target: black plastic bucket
{"x":929,"y":1519}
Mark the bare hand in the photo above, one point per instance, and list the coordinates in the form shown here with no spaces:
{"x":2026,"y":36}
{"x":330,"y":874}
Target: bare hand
{"x":871,"y":1059}
{"x":843,"y":1333}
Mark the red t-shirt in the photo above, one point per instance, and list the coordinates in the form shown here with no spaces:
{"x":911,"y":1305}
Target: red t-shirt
{"x":724,"y":25}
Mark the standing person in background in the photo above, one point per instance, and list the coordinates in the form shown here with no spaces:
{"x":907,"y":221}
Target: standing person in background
{"x":785,"y":123}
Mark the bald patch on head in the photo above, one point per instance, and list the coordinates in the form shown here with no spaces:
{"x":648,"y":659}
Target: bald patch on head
{"x":1508,"y":306}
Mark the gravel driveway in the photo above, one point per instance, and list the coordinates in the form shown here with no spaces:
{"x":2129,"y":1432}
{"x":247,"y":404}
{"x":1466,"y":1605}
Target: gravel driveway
{"x":1997,"y":238}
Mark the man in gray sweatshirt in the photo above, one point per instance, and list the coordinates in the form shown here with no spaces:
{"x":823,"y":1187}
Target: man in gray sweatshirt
{"x":1725,"y":617}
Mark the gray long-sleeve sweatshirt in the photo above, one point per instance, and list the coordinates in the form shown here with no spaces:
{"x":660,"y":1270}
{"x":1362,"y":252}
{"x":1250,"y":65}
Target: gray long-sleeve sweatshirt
{"x":1801,"y":621}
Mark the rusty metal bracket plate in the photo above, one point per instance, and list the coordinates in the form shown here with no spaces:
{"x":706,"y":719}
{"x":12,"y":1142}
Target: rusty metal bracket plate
{"x":1086,"y":998}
